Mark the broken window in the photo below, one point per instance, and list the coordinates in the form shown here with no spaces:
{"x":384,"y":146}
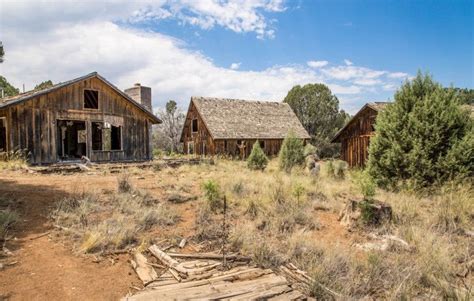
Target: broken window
{"x":191,"y":148}
{"x":97,"y":135}
{"x":91,"y":99}
{"x":116,"y":138}
{"x":195,"y":125}
{"x":3,"y":135}
{"x":106,"y":137}
{"x":262,"y":144}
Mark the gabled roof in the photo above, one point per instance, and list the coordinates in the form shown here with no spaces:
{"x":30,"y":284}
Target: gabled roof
{"x":13,"y":100}
{"x":376,"y":106}
{"x":242,"y":119}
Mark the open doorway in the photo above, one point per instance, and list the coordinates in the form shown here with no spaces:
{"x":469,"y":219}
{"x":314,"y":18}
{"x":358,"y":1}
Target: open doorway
{"x":72,"y":139}
{"x":3,"y":135}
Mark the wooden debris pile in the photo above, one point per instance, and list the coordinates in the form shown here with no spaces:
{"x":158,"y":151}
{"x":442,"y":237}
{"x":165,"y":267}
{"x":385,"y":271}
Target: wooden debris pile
{"x":204,"y":277}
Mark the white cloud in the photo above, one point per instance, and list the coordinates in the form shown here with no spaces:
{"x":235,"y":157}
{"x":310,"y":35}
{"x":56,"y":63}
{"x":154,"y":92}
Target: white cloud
{"x":235,"y":66}
{"x":237,"y":15}
{"x":347,"y":62}
{"x":61,"y":42}
{"x":317,"y":64}
{"x":398,"y":75}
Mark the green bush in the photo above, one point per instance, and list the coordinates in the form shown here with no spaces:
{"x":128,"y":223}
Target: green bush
{"x":365,"y":183}
{"x":213,"y":194}
{"x":291,"y":153}
{"x":309,"y":149}
{"x":7,"y":219}
{"x":336,"y":169}
{"x":257,"y":159}
{"x":424,"y":138}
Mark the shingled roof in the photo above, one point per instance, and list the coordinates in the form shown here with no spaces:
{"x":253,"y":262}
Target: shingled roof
{"x":13,"y":100}
{"x":243,"y":119}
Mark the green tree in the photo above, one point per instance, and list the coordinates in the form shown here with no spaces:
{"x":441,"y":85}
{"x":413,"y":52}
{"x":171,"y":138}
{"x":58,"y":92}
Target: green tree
{"x":466,"y":96}
{"x":44,"y":85}
{"x":423,"y":138}
{"x":8,"y":89}
{"x":318,"y":110}
{"x":291,"y":152}
{"x":257,"y":159}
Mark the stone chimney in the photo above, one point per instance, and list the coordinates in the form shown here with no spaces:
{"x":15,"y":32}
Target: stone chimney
{"x":141,"y":94}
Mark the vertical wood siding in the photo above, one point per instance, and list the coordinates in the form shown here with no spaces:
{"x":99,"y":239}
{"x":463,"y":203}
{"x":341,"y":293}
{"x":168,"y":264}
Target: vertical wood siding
{"x":32,"y":124}
{"x":202,"y":140}
{"x":355,"y":139}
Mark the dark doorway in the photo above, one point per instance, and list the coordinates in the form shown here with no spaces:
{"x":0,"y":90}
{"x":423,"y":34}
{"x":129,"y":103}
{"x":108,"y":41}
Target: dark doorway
{"x":3,"y":135}
{"x":72,"y":139}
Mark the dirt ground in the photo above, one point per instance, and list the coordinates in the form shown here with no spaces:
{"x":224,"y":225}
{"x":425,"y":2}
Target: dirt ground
{"x":47,"y":269}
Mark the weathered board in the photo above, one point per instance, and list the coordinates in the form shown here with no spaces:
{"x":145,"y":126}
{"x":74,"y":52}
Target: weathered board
{"x":200,"y":142}
{"x":355,"y":138}
{"x":32,"y":125}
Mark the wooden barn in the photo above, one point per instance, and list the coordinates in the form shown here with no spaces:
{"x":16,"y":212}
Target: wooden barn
{"x":355,"y":135}
{"x":231,"y":127}
{"x":87,"y":116}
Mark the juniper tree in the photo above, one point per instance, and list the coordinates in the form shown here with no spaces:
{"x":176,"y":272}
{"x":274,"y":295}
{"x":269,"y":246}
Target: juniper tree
{"x":423,"y":138}
{"x":257,"y":159}
{"x":291,"y":152}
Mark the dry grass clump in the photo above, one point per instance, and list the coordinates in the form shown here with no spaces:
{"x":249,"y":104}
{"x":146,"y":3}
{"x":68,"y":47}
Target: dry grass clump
{"x":112,"y":222}
{"x":8,"y":218}
{"x":272,"y":217}
{"x":14,"y":160}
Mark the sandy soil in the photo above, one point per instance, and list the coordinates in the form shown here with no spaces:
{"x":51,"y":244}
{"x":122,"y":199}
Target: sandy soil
{"x":47,"y":269}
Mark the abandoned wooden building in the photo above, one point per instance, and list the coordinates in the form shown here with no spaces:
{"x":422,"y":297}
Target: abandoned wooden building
{"x":87,"y":116}
{"x":230,"y":127}
{"x":355,"y":135}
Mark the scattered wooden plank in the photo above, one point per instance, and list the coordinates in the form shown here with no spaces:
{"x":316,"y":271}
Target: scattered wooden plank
{"x":166,"y":259}
{"x":145,"y":272}
{"x":210,"y":256}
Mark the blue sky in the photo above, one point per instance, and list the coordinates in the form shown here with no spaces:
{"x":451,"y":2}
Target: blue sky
{"x":254,"y":49}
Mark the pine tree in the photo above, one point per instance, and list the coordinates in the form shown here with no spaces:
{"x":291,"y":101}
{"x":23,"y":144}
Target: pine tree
{"x":291,"y":153}
{"x":422,"y":138}
{"x":257,"y":159}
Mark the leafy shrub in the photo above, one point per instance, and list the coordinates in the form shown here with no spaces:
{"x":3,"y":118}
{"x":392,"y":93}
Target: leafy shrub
{"x":336,"y":169}
{"x":298,"y":191}
{"x":422,"y":139}
{"x":7,"y":219}
{"x":257,"y":159}
{"x":291,"y":153}
{"x":365,"y":184}
{"x":213,"y":194}
{"x":309,"y":149}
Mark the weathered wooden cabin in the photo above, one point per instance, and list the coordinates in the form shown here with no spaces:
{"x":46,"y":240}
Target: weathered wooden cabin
{"x":355,"y":135}
{"x":87,"y":116}
{"x":231,"y":127}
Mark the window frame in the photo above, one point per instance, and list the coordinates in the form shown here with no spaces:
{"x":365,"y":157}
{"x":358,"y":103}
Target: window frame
{"x":192,"y":125}
{"x":84,"y":99}
{"x":3,"y":120}
{"x":191,"y":143}
{"x":121,"y":138}
{"x":101,"y":136}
